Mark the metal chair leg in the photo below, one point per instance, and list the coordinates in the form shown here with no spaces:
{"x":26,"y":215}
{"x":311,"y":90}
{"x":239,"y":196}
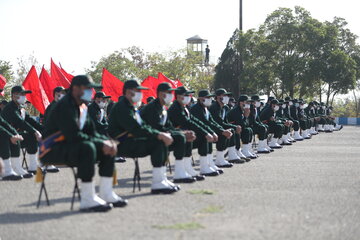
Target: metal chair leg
{"x":24,"y":162}
{"x":43,"y":188}
{"x":137,"y":177}
{"x":76,"y":189}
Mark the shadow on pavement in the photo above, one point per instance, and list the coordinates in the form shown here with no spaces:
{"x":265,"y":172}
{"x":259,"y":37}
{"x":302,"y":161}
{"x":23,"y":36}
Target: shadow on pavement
{"x":12,"y":217}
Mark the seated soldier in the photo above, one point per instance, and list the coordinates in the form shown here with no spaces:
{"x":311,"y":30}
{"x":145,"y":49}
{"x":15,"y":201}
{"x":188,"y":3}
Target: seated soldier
{"x":201,"y":112}
{"x":137,"y":139}
{"x":257,"y":126}
{"x":9,"y":139}
{"x":3,"y":103}
{"x":155,"y":114}
{"x":181,"y":118}
{"x":15,"y":114}
{"x":310,"y":112}
{"x":267,"y":116}
{"x":239,"y":115}
{"x":292,"y":116}
{"x":70,"y":138}
{"x":287,"y":123}
{"x":303,"y":119}
{"x":58,"y":93}
{"x":219,"y":110}
{"x":97,"y":112}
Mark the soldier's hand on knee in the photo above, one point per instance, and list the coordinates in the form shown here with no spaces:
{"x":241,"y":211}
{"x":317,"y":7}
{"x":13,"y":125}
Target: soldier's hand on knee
{"x":190,"y":136}
{"x":209,"y":138}
{"x":109,"y":148}
{"x":15,"y":138}
{"x":227,"y":134}
{"x":215,"y":136}
{"x":166,"y":138}
{"x":238,"y":129}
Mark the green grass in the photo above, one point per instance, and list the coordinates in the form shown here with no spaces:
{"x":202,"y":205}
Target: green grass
{"x":212,"y":209}
{"x":201,"y":191}
{"x":181,"y":226}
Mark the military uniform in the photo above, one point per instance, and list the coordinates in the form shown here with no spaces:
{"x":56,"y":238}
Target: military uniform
{"x":219,"y":113}
{"x":254,"y":121}
{"x":275,"y":127}
{"x":156,"y":116}
{"x":99,"y":118}
{"x":138,"y":139}
{"x":6,"y":148}
{"x":70,"y":138}
{"x":26,"y":127}
{"x":181,"y":118}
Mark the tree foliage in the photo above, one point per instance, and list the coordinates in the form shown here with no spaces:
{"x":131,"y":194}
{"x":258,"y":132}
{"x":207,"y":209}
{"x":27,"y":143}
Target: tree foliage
{"x":291,"y":54}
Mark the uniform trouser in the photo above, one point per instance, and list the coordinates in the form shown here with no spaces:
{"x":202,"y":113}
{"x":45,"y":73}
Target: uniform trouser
{"x":286,"y":130}
{"x":6,"y":147}
{"x":246,"y":137}
{"x":82,"y":155}
{"x":261,"y":130}
{"x":322,"y":121}
{"x":178,"y":145}
{"x":30,"y":143}
{"x":224,"y":143}
{"x":142,"y":147}
{"x":276,"y":128}
{"x":296,"y":125}
{"x":303,"y":124}
{"x":203,"y":146}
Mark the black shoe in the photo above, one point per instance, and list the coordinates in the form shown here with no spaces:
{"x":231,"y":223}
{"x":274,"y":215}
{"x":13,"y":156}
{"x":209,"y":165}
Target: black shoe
{"x":120,"y":203}
{"x":12,"y":178}
{"x":99,"y":208}
{"x":212,"y":174}
{"x":200,"y":177}
{"x":185,"y":180}
{"x":271,"y":150}
{"x":263,"y":152}
{"x":28,"y":175}
{"x":163,"y":191}
{"x":247,"y":159}
{"x":225,"y":166}
{"x":120,"y":159}
{"x":276,"y":147}
{"x":237,"y":161}
{"x":286,"y":144}
{"x":53,"y":170}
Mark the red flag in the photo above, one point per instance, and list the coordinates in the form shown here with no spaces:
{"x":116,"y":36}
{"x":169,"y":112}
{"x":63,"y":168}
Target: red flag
{"x":174,"y":83}
{"x":2,"y":84}
{"x":48,"y":84}
{"x":151,"y":83}
{"x":66,"y":74}
{"x":112,"y":86}
{"x":59,"y":78}
{"x":38,"y":96}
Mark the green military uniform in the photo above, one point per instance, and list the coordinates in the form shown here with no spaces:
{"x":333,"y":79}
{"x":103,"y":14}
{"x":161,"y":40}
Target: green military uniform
{"x":254,"y":120}
{"x":204,"y":115}
{"x":236,"y":116}
{"x":156,"y":116}
{"x":49,"y":108}
{"x":220,"y":116}
{"x":82,"y":144}
{"x":137,"y":139}
{"x":99,"y":118}
{"x":275,"y":127}
{"x":181,"y":118}
{"x":6,"y":132}
{"x":25,"y":125}
{"x":281,"y":117}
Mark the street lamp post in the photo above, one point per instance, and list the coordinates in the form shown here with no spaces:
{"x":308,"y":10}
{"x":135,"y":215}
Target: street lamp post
{"x":240,"y":52}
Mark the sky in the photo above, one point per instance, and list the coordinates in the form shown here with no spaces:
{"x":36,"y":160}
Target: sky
{"x":76,"y":32}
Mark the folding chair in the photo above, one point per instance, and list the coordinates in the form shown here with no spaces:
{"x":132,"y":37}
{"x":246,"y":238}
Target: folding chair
{"x":24,"y":162}
{"x":137,"y":177}
{"x":43,"y":188}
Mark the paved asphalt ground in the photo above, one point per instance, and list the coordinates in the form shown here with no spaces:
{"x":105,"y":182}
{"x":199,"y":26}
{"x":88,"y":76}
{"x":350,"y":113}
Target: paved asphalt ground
{"x":310,"y":190}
